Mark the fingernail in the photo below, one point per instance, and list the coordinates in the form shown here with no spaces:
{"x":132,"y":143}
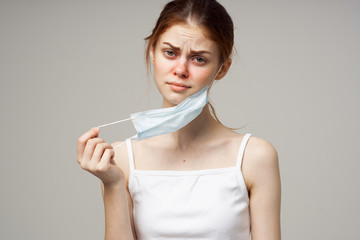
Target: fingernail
{"x":96,"y":129}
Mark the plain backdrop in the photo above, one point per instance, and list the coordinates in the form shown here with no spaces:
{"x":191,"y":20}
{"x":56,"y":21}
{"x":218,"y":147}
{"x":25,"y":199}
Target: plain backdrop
{"x":68,"y":65}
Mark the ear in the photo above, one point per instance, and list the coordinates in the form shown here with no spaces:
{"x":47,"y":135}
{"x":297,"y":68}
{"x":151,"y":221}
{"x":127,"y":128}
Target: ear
{"x":152,"y":55}
{"x":224,"y":69}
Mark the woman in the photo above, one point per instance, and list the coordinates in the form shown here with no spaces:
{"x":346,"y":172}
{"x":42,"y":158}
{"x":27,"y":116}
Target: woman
{"x":203,"y":181}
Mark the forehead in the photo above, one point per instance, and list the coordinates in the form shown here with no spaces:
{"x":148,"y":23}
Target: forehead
{"x":188,"y":35}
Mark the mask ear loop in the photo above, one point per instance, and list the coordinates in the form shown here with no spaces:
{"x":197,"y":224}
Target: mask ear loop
{"x":120,"y":121}
{"x":217,"y":73}
{"x":107,"y":124}
{"x":213,"y":80}
{"x":133,"y":137}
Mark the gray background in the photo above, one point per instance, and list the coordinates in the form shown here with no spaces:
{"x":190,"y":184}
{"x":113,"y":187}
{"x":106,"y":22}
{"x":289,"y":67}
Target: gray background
{"x":66,"y":66}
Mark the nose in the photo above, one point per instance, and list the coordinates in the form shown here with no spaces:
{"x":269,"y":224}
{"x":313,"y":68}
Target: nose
{"x":181,"y":69}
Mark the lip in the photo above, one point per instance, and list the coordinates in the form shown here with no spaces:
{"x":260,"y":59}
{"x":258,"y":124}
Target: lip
{"x":178,"y":87}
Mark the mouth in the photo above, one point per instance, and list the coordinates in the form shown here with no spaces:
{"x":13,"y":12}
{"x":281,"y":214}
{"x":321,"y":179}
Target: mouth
{"x":178,"y":87}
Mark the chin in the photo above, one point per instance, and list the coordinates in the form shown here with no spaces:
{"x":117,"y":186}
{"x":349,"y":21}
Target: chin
{"x":173,"y":99}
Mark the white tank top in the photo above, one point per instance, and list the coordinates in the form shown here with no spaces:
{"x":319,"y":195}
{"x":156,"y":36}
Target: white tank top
{"x":201,"y":204}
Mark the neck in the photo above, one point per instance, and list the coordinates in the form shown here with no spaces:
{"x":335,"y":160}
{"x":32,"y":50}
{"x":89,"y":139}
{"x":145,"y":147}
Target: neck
{"x":201,"y":128}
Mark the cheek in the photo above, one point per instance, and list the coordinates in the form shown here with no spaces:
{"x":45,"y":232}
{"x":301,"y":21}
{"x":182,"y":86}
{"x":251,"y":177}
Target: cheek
{"x":163,"y":67}
{"x":161,"y":64}
{"x":201,"y":75}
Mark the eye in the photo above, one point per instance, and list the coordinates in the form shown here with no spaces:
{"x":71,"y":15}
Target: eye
{"x":199,"y":59}
{"x":169,"y":53}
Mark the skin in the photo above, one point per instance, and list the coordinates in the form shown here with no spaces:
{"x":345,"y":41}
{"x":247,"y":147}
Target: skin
{"x":185,"y":61}
{"x":184,"y":56}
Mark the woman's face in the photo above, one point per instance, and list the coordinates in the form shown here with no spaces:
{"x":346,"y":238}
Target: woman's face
{"x":185,"y":61}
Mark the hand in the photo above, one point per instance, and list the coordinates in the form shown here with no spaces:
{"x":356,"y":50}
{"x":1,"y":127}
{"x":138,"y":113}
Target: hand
{"x":97,"y":157}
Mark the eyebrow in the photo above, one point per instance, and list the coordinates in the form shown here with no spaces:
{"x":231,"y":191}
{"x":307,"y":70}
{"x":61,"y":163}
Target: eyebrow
{"x":192,"y":51}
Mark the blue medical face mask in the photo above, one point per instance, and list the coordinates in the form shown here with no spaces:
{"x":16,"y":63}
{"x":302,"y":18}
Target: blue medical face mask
{"x":167,"y":120}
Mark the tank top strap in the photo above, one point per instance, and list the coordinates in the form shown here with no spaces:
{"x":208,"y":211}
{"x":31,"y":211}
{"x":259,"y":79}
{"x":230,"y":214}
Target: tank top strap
{"x":242,"y":149}
{"x":130,"y":154}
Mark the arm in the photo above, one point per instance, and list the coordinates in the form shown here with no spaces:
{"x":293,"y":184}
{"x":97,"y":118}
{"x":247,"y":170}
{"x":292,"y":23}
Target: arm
{"x":116,"y":203}
{"x":97,"y":157}
{"x":263,"y":175}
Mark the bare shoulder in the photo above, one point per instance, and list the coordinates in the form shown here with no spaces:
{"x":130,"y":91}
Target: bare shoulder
{"x":121,"y":157}
{"x":260,"y":161}
{"x":261,"y":151}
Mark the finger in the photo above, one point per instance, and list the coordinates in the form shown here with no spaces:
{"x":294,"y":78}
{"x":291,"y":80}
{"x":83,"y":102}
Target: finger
{"x":99,"y":151}
{"x":93,"y":132}
{"x":90,"y":148}
{"x":106,"y":158}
